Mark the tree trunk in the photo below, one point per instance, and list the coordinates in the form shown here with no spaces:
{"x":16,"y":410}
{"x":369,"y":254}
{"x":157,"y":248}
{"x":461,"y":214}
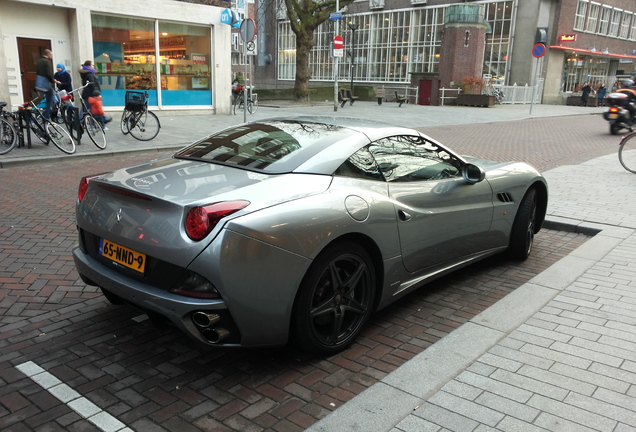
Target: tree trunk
{"x":304,"y":45}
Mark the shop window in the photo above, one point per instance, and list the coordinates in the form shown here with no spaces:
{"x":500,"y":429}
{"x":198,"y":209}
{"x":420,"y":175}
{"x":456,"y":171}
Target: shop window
{"x":173,"y":64}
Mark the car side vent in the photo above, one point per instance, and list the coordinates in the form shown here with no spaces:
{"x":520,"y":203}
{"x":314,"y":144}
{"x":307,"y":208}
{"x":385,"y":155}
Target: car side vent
{"x":505,"y":197}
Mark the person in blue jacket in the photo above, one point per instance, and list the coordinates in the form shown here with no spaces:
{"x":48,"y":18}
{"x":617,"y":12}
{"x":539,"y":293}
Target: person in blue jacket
{"x":63,"y":79}
{"x":600,"y":94}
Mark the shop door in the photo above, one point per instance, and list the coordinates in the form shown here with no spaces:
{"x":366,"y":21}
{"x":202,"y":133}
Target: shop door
{"x":30,"y":51}
{"x":425,"y":92}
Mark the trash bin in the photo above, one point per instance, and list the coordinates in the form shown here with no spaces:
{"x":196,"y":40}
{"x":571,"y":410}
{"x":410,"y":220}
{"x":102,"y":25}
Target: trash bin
{"x":380,"y":94}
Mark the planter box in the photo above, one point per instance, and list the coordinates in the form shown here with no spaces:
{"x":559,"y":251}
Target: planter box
{"x":475,"y":100}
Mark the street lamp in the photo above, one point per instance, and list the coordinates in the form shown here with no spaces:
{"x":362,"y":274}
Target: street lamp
{"x":353,"y":26}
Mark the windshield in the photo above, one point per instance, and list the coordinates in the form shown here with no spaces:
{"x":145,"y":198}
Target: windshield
{"x":270,"y":146}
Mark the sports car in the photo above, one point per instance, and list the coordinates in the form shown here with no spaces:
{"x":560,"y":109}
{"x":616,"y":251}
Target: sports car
{"x":297,"y":229}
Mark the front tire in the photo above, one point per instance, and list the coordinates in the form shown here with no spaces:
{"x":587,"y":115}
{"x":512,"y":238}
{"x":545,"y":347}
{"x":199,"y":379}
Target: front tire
{"x":335,"y":299}
{"x":523,"y":228}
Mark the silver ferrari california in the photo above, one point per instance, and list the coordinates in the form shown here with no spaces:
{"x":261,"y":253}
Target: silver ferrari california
{"x":297,"y":229}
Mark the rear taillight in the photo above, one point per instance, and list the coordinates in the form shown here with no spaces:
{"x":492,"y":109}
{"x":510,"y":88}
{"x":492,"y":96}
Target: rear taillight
{"x":83,"y":186}
{"x":614,"y":109}
{"x":200,"y":221}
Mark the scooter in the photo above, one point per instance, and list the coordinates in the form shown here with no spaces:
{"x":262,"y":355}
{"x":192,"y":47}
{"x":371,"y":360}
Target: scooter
{"x":618,"y":114}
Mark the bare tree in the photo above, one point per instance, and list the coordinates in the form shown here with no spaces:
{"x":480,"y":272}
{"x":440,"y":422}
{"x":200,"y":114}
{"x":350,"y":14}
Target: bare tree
{"x":304,"y":17}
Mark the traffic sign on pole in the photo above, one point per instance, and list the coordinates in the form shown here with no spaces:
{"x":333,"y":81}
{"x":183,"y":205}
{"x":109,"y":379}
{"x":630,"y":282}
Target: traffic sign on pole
{"x":538,"y":50}
{"x":338,"y":43}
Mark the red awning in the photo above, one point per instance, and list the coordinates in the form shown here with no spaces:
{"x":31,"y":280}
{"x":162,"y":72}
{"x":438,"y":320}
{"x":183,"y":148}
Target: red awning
{"x":587,"y":51}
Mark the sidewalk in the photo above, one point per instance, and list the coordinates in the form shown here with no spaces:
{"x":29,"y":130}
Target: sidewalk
{"x":557,"y":354}
{"x":180,"y":130}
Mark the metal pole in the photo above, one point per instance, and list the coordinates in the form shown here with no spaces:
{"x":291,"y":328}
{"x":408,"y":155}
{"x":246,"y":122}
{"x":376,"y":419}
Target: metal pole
{"x":353,"y":28}
{"x":335,"y":64}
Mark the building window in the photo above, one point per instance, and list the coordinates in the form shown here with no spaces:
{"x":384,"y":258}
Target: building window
{"x":617,"y":16}
{"x":169,"y":60}
{"x":603,"y":28}
{"x":592,"y":18}
{"x":632,"y":33}
{"x":625,"y":25}
{"x":579,"y":18}
{"x":389,"y":45}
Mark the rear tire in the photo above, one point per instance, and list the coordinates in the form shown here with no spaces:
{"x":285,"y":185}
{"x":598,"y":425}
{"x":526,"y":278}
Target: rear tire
{"x":523,"y":228}
{"x":143,"y":126}
{"x":335,"y":299}
{"x":614,"y":129}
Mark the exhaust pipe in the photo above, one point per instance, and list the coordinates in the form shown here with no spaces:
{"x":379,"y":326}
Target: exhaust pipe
{"x":205,"y":320}
{"x":216,"y":335}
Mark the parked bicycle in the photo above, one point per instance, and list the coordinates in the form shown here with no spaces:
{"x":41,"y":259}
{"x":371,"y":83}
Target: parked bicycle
{"x":238,"y":104}
{"x":627,"y":152}
{"x":47,"y":130}
{"x":82,"y":120}
{"x":136,"y":119}
{"x":8,"y":131}
{"x":499,"y":96}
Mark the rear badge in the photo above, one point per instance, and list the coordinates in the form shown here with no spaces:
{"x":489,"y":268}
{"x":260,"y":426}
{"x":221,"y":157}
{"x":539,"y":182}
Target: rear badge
{"x":118,"y":215}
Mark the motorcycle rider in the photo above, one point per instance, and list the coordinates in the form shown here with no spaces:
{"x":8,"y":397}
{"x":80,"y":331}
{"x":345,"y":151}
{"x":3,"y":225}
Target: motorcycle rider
{"x":629,"y":89}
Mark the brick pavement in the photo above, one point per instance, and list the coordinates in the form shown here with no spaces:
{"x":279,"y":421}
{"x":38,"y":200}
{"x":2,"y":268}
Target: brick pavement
{"x":154,"y":380}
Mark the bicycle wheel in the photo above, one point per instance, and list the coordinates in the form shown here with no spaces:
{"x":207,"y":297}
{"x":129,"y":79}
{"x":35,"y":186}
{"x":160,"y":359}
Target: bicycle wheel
{"x":252,"y":105}
{"x":144,"y":125}
{"x":237,"y":106}
{"x":123,"y":123}
{"x":60,"y":137}
{"x":627,"y":152}
{"x":95,"y":131}
{"x":8,"y":136}
{"x":37,"y":126}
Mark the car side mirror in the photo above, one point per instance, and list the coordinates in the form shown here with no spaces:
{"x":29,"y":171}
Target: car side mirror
{"x":472,"y":173}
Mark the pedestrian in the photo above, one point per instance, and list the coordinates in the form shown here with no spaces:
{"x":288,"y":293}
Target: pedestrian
{"x":63,"y":79}
{"x":585,"y":93}
{"x":45,"y":81}
{"x":89,"y":75}
{"x":600,"y":94}
{"x":97,"y":109}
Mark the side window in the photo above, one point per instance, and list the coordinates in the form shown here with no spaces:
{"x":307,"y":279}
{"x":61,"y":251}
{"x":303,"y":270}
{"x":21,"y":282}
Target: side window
{"x":412,"y":158}
{"x":360,"y":165}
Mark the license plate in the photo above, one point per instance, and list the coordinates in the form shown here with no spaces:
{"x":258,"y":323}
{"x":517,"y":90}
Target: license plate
{"x":122,"y":255}
{"x":613,"y":116}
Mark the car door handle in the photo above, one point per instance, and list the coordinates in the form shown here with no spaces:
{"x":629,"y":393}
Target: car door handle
{"x":404,"y":216}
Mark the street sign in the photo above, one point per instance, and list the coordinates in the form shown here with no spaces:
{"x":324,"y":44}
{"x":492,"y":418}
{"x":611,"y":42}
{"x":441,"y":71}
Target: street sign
{"x":333,"y":16}
{"x":248,"y":30}
{"x":338,"y":43}
{"x":538,"y":50}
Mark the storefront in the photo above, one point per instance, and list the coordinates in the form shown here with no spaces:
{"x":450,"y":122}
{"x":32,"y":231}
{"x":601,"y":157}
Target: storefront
{"x":179,"y":52}
{"x":169,"y":60}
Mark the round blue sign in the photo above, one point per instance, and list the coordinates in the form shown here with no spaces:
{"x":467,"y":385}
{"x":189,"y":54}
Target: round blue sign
{"x":538,"y":50}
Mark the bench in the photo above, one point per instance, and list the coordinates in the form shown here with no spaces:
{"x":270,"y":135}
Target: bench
{"x":400,"y":99}
{"x":342,"y":97}
{"x":351,"y":97}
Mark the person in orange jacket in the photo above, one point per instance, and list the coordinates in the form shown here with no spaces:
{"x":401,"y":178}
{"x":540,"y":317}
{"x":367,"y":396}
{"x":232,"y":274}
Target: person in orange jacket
{"x":97,"y":108}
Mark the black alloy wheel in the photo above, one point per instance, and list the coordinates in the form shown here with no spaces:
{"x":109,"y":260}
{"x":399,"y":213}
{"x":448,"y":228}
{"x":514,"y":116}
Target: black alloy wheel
{"x":335,"y":299}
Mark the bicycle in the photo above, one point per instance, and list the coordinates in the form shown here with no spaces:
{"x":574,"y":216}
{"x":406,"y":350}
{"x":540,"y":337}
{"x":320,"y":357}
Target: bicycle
{"x":239,"y":100}
{"x":47,"y":130}
{"x":136,"y":119}
{"x":627,"y":152}
{"x":87,"y":121}
{"x":499,"y":96}
{"x":8,"y":132}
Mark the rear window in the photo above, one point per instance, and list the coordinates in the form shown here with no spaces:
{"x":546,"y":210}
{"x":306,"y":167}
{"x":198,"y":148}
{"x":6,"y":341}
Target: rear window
{"x":272,"y":146}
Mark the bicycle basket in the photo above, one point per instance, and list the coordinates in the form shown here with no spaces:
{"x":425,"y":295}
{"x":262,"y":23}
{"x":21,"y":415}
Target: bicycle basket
{"x":135,"y":101}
